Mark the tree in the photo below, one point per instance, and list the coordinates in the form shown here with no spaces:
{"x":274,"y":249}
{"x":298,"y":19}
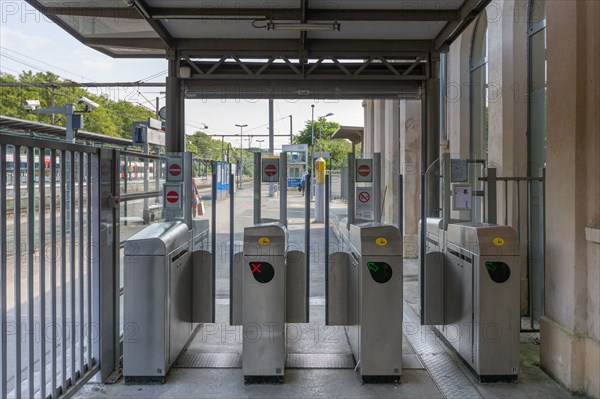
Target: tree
{"x":204,"y":146}
{"x":113,"y":118}
{"x":321,"y":127}
{"x":339,"y":149}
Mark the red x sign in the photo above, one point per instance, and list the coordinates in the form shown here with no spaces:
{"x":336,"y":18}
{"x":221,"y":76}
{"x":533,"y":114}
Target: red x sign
{"x":256,"y":268}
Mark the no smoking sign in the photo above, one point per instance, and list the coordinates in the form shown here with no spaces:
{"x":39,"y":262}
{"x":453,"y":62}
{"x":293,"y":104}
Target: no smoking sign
{"x":364,"y":203}
{"x":364,"y":197}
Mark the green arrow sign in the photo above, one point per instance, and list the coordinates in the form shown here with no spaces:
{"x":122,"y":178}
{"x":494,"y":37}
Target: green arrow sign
{"x":491,"y":266}
{"x":372,"y":266}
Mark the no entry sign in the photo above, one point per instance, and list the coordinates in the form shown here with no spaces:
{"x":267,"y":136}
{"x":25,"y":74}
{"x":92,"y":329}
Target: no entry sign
{"x":270,"y":169}
{"x":173,"y":196}
{"x":175,"y":169}
{"x":364,"y":170}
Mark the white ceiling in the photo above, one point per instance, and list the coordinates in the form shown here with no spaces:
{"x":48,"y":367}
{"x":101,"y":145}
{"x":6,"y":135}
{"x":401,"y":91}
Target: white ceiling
{"x":138,"y":25}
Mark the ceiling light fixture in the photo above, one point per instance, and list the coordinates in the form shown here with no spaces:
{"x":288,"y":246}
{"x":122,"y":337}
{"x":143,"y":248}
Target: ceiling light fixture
{"x":302,"y":27}
{"x":211,"y":17}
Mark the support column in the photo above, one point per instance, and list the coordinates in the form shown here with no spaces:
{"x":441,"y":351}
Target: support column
{"x":410,"y":161}
{"x":391,"y":162}
{"x":271,"y":142}
{"x":570,"y":328}
{"x":367,"y":145}
{"x":378,"y":126}
{"x":432,"y":132}
{"x":175,"y":131}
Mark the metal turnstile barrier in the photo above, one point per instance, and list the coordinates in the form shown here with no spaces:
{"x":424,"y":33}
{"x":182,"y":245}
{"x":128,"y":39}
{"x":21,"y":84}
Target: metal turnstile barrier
{"x":269,"y":290}
{"x":364,"y":293}
{"x":480,"y":276}
{"x":168,"y":290}
{"x":433,"y":277}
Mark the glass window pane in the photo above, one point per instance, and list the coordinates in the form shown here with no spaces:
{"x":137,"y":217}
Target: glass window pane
{"x":537,"y":12}
{"x":479,"y":47}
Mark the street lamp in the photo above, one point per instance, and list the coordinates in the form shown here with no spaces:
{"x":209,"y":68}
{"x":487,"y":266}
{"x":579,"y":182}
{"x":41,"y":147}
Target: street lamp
{"x":312,"y":126}
{"x":260,"y":144}
{"x":241,"y":150}
{"x":321,"y":126}
{"x":291,"y":128}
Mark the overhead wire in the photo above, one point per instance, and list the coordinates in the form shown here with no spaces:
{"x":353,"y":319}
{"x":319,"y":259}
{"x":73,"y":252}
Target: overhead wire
{"x":17,"y":59}
{"x":154,"y":76}
{"x":45,"y":63}
{"x":25,"y":62}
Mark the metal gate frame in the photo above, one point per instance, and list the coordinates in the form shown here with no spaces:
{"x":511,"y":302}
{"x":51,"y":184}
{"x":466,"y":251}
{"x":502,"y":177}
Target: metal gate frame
{"x":99,"y":255}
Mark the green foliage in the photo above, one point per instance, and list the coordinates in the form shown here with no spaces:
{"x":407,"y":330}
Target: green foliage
{"x":205,"y":147}
{"x":323,"y":128}
{"x":113,"y":118}
{"x":339,"y":150}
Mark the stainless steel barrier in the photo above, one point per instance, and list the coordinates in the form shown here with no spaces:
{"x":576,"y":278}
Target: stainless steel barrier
{"x":433,"y":276}
{"x":482,"y":298}
{"x":365,"y":294}
{"x":272,"y":283}
{"x":472,"y":295}
{"x":158,"y":300}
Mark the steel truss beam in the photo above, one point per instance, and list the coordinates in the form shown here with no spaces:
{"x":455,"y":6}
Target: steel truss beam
{"x":375,"y":68}
{"x":313,"y":48}
{"x":294,"y":90}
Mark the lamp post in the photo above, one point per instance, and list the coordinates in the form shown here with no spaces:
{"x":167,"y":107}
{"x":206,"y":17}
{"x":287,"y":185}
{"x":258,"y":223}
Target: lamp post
{"x":320,"y":177}
{"x":260,"y":144}
{"x":321,"y":128}
{"x":312,"y":127}
{"x":291,"y":128}
{"x":241,"y":152}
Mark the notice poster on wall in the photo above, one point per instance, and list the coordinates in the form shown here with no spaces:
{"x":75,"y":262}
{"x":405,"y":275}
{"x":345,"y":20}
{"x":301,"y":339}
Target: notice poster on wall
{"x":461,"y":194}
{"x":364,"y":203}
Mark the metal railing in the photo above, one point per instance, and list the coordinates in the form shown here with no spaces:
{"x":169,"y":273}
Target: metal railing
{"x":533,"y":231}
{"x":52,"y":326}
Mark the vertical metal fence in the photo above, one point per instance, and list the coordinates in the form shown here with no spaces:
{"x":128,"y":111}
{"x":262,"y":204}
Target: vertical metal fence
{"x":531,"y":233}
{"x":48,"y":255}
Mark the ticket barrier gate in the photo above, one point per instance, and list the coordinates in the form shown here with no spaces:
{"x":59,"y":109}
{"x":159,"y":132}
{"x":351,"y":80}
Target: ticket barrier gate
{"x":364,"y":293}
{"x":433,"y":277}
{"x":479,"y":296}
{"x":269,"y":289}
{"x":168,"y":290}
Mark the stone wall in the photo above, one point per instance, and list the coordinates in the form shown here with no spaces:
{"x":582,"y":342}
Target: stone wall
{"x":570,"y":330}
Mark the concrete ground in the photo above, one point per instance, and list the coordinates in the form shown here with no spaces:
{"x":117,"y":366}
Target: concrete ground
{"x":419,"y":378}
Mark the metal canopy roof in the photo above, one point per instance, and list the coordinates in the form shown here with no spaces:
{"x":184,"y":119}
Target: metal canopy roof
{"x":26,"y":126}
{"x":352,"y":133}
{"x":150,"y":28}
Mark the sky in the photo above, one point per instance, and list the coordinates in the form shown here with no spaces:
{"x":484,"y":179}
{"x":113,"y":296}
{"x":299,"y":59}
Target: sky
{"x":29,"y":41}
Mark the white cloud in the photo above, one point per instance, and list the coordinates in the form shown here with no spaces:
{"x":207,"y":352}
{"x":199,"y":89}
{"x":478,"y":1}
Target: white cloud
{"x":97,"y":64}
{"x":17,"y":40}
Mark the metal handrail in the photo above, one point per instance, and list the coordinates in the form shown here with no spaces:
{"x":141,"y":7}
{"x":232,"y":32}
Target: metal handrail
{"x":139,"y":196}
